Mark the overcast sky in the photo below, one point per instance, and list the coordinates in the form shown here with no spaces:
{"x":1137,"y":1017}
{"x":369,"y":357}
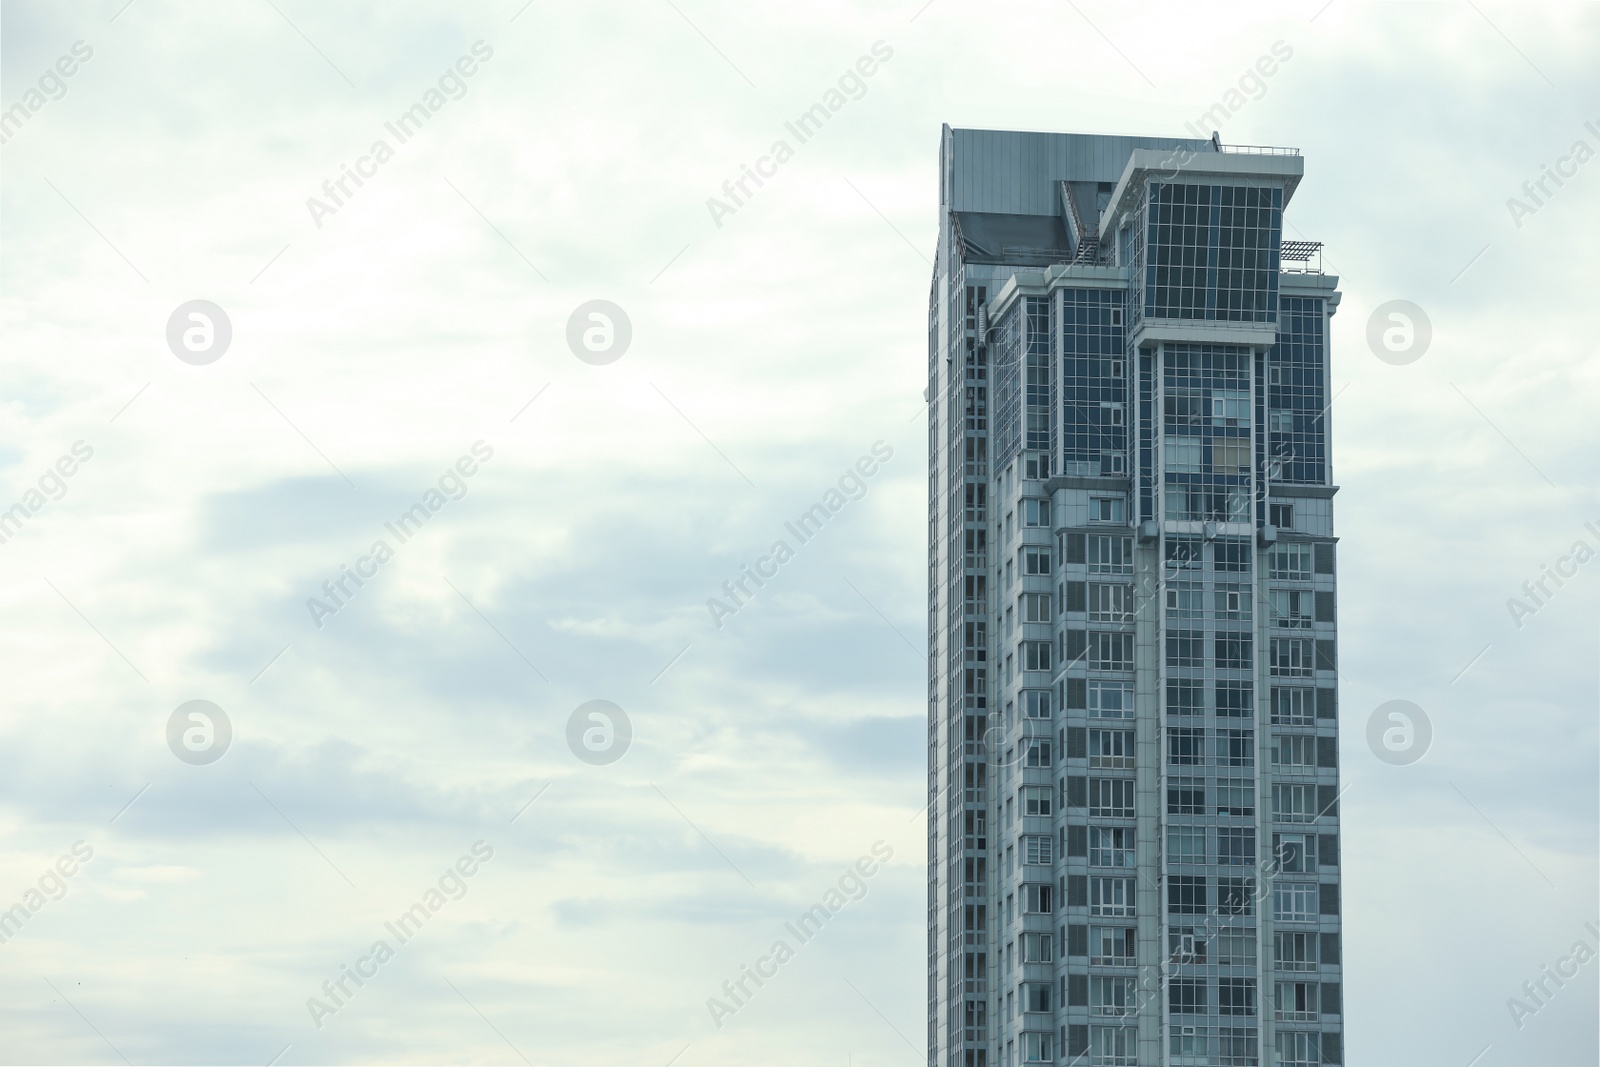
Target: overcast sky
{"x":378,"y":338}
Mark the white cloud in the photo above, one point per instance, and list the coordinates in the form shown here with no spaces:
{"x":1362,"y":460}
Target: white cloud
{"x":408,"y":327}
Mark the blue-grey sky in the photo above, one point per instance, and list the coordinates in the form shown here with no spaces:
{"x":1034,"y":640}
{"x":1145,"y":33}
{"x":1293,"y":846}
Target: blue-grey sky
{"x":772,"y":347}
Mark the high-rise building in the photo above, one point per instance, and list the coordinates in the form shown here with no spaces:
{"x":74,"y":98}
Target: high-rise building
{"x":1133,"y":831}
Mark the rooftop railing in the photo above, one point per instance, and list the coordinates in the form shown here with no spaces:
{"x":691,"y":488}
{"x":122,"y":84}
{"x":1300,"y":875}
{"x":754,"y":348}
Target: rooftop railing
{"x":1258,"y":150}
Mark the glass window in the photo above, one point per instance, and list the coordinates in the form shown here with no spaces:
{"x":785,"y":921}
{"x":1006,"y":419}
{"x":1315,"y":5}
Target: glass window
{"x":1211,"y":252}
{"x":1112,"y":944}
{"x":1111,"y":798}
{"x":1105,"y":509}
{"x":1236,"y":896}
{"x":1233,"y":652}
{"x":1110,"y":603}
{"x":1186,"y":796}
{"x":1291,"y":609}
{"x":1036,"y":703}
{"x":1297,"y":1048}
{"x":1183,"y":408}
{"x":1186,"y":944}
{"x":1186,"y":746}
{"x":1236,"y":846}
{"x":1230,"y":456}
{"x":1186,"y":844}
{"x":1295,"y":853}
{"x":1236,"y":996}
{"x":1183,"y":553}
{"x":1114,"y":1046}
{"x":1296,"y":397}
{"x":1294,"y":951}
{"x":1186,"y":996}
{"x":1291,"y":657}
{"x":1184,"y":455}
{"x":1189,"y":1044}
{"x":1186,"y":698}
{"x":1110,"y":651}
{"x":1034,"y":607}
{"x":1232,"y":602}
{"x":1212,"y":504}
{"x":1236,"y":1046}
{"x":1187,"y":895}
{"x":1294,"y":901}
{"x":1235,"y":700}
{"x":1230,"y":407}
{"x":1186,"y":648}
{"x":1294,"y":752}
{"x":1294,"y":803}
{"x":1110,"y":555}
{"x":1036,"y":800}
{"x":1236,"y":796}
{"x":1038,"y":849}
{"x":1111,"y":748}
{"x":1110,"y":846}
{"x":1110,"y":700}
{"x":1230,"y":554}
{"x":1111,"y":898}
{"x":1236,"y":748}
{"x":1112,"y":995}
{"x":1293,"y":706}
{"x":1289,"y":562}
{"x":1036,"y":996}
{"x":1184,"y":602}
{"x":1236,"y":948}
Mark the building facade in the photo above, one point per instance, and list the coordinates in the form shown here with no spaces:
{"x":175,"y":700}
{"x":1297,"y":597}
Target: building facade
{"x":1133,"y":827}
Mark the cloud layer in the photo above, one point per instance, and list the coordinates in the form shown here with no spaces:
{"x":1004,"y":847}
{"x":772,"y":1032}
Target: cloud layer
{"x":769,"y":352}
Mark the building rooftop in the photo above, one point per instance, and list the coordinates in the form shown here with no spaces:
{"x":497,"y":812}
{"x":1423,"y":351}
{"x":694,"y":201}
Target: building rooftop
{"x":1008,"y":172}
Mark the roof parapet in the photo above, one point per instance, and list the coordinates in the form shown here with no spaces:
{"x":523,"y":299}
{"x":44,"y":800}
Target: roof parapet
{"x":1278,"y":166}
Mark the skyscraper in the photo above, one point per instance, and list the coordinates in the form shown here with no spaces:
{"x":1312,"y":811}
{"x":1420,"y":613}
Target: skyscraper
{"x":1133,"y":831}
